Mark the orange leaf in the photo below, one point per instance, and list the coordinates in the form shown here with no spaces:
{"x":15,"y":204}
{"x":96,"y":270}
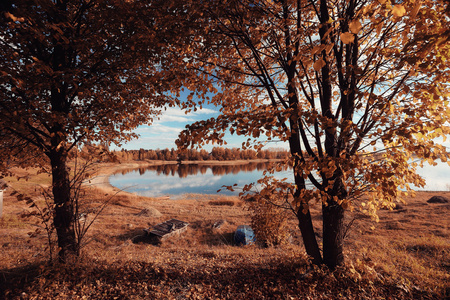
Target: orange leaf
{"x":355,"y":26}
{"x":347,"y":37}
{"x":319,"y":64}
{"x":398,"y":10}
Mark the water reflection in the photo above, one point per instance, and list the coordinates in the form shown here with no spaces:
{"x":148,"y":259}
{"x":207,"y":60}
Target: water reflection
{"x":174,"y":179}
{"x":184,"y":170}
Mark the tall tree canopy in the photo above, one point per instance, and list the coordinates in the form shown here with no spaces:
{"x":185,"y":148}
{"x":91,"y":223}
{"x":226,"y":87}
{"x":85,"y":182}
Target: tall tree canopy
{"x":357,"y":88}
{"x":77,"y":72}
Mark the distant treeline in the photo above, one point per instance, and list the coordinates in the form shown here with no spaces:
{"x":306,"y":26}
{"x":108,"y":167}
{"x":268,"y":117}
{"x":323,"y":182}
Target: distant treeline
{"x":217,"y":153}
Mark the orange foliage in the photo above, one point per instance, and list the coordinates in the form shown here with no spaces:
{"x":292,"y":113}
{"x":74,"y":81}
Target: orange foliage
{"x":357,"y":88}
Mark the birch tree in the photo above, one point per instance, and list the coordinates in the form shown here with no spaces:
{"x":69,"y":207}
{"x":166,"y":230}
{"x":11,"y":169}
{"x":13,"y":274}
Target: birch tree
{"x":358,"y":89}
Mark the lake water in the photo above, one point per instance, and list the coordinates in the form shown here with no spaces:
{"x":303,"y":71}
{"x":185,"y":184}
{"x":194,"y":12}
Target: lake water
{"x":164,"y":180}
{"x":174,"y":180}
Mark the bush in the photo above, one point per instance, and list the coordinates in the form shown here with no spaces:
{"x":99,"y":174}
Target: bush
{"x":269,"y":221}
{"x":222,"y":202}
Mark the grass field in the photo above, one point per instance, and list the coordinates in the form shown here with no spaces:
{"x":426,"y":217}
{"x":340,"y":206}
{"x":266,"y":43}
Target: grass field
{"x":404,"y":256}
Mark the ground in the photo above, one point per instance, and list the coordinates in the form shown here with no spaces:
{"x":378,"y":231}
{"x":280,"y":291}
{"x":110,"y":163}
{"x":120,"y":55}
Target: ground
{"x":406,"y":255}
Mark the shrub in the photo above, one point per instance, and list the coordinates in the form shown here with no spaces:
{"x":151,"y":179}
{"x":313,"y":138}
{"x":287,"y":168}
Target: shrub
{"x":269,"y":220}
{"x":222,"y":202}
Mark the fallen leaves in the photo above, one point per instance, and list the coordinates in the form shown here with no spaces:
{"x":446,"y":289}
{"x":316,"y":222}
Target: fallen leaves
{"x":251,"y":275}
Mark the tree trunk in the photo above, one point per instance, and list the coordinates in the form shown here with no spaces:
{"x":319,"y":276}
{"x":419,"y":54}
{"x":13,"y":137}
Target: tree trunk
{"x":305,"y":221}
{"x":304,"y":217}
{"x":333,"y":234}
{"x":308,"y":235}
{"x":63,"y":218}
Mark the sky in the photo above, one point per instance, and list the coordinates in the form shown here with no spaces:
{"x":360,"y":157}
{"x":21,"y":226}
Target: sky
{"x":164,"y":131}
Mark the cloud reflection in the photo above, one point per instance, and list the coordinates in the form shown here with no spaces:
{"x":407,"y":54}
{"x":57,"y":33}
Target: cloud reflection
{"x":175,"y":179}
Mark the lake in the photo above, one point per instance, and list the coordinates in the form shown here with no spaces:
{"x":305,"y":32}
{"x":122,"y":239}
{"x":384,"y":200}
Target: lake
{"x":175,"y":180}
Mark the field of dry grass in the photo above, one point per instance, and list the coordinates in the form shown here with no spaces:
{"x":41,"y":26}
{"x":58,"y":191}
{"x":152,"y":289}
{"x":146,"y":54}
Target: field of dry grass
{"x":404,"y":256}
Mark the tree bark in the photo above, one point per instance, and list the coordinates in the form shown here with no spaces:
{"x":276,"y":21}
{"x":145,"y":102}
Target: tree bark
{"x":333,"y":234}
{"x":308,"y":235}
{"x":304,"y":218}
{"x":303,"y":213}
{"x":63,"y":217}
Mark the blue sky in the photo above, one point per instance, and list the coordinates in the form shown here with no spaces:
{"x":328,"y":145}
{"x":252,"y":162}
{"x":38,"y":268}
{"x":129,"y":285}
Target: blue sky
{"x":163,"y":132}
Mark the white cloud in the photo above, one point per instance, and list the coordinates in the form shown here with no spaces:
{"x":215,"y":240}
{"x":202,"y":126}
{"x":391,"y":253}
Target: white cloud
{"x":175,"y":114}
{"x":174,"y":118}
{"x":153,"y":141}
{"x":157,"y":129}
{"x":164,"y":130}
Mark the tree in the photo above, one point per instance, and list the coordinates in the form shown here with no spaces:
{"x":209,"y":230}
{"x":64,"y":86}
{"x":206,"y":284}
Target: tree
{"x":74,"y":73}
{"x":336,"y":81}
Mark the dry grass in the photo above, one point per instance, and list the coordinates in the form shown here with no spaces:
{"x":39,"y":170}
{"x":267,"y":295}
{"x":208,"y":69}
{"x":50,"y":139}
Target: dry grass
{"x":404,"y":256}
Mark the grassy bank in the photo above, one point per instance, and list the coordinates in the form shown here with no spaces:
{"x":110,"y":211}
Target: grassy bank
{"x":404,"y":256}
